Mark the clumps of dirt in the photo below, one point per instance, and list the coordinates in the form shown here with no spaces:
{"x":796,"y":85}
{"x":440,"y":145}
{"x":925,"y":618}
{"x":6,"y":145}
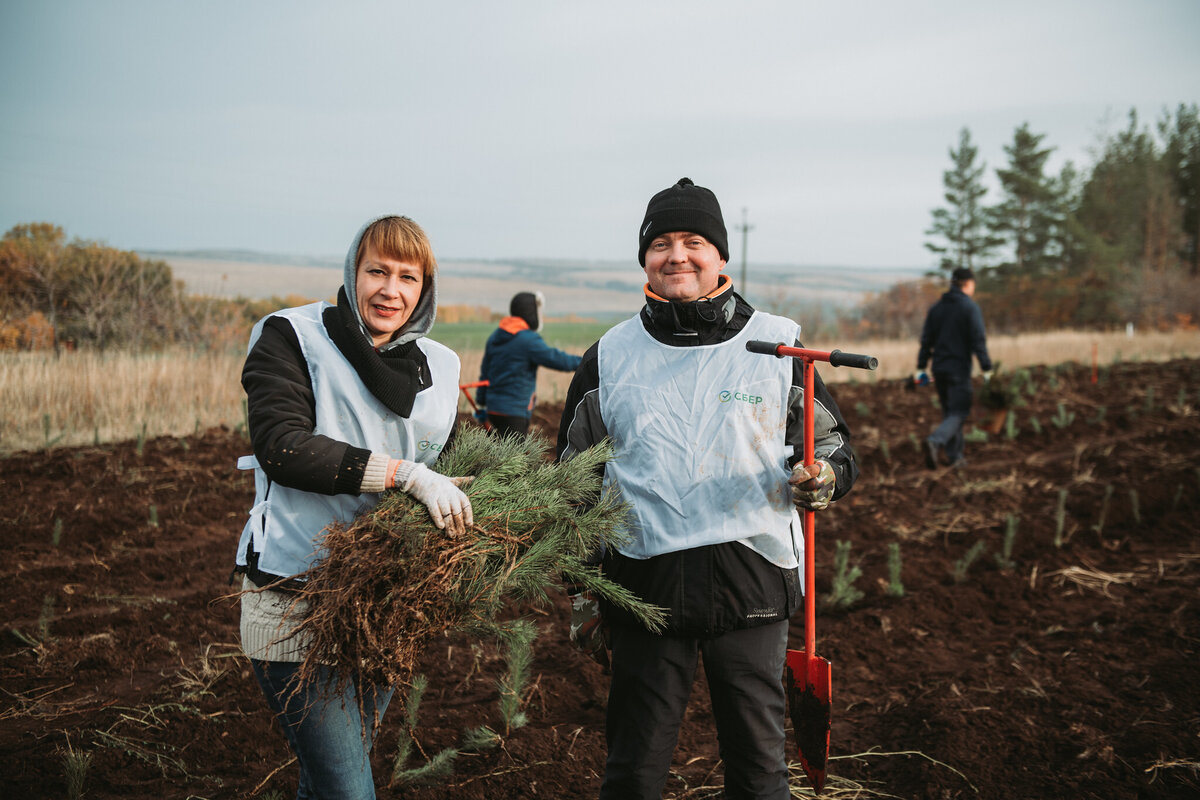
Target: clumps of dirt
{"x":1068,"y":668}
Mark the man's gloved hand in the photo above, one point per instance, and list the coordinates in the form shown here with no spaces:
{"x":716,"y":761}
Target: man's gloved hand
{"x":987,"y":375}
{"x":481,"y":415}
{"x":448,"y":505}
{"x":588,"y":631}
{"x":920,"y":378}
{"x":812,"y":486}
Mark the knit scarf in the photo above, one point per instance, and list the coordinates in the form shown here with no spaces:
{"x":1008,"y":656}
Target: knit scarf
{"x":394,"y":376}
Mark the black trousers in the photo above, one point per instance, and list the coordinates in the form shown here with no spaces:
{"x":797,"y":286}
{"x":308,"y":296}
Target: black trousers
{"x":503,"y":424}
{"x":651,"y":679}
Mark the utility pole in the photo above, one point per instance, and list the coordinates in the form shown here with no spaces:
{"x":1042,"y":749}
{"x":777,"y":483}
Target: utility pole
{"x":745,"y":228}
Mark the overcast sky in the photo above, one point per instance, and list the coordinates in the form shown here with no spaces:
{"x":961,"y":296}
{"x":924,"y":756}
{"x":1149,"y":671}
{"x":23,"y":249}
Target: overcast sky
{"x":540,"y":129}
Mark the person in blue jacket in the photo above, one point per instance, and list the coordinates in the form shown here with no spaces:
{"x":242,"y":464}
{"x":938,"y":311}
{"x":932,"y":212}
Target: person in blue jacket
{"x":952,"y":334}
{"x":511,"y":359}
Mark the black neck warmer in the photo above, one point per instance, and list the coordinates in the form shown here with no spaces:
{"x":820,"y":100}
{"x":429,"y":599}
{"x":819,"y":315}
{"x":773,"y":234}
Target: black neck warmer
{"x":394,"y":376}
{"x":704,"y":321}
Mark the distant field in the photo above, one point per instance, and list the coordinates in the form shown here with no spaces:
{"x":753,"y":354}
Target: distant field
{"x":599,"y":290}
{"x":574,"y":337}
{"x":82,"y":397}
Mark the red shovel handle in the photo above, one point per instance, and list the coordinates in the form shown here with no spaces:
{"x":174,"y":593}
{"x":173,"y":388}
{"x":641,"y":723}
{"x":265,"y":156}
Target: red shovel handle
{"x":835,"y":358}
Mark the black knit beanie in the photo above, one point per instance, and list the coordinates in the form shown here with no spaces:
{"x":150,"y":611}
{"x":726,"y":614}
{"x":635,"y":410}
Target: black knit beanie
{"x":684,"y":207}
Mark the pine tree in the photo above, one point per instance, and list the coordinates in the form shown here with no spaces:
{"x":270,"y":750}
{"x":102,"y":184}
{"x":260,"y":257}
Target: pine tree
{"x":1025,"y":215}
{"x":1182,"y":160}
{"x":1130,"y":208}
{"x":962,"y":223}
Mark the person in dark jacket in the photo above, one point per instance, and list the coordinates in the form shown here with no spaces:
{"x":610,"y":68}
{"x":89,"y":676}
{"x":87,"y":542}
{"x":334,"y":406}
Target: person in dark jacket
{"x":952,"y":334}
{"x":344,"y":402}
{"x":511,"y":359}
{"x":708,"y":443}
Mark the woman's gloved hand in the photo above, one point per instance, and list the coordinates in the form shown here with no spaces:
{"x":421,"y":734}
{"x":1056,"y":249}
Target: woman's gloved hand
{"x":448,"y":505}
{"x":812,"y":486}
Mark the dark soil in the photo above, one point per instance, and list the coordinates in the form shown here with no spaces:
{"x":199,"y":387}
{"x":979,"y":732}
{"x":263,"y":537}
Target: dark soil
{"x":1040,"y":670}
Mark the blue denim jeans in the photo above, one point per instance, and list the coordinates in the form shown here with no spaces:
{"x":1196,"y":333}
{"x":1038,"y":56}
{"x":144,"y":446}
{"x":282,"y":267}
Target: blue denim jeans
{"x":955,"y":396}
{"x":325,"y":730}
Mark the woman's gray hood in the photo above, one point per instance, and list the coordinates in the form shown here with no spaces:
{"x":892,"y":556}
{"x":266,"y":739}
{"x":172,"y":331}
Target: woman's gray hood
{"x":423,"y":316}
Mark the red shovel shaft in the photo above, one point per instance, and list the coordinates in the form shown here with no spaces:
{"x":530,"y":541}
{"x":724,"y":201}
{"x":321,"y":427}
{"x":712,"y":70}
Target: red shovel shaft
{"x":810,"y":689}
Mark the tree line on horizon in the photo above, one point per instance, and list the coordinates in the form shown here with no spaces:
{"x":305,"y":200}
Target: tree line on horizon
{"x":1094,"y":248}
{"x":1090,"y":248}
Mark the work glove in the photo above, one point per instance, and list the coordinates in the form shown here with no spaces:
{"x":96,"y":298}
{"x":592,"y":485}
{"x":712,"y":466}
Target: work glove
{"x":987,"y":375}
{"x":589,"y":633}
{"x":448,"y":505}
{"x":920,"y":378}
{"x":812,"y":486}
{"x":481,"y":415}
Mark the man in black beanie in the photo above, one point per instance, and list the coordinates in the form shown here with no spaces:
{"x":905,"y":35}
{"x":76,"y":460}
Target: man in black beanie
{"x":708,"y":444}
{"x":511,"y":359}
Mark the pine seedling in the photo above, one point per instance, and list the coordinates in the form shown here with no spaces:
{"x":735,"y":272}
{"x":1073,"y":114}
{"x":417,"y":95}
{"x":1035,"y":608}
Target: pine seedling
{"x":1178,"y":496}
{"x":1010,"y":425}
{"x":1149,"y":406}
{"x":477,"y":740}
{"x":1098,"y":527}
{"x":75,"y":769}
{"x":1098,"y":418}
{"x":1060,"y":519}
{"x":56,"y":534}
{"x":1062,"y":418}
{"x":153,"y":516}
{"x":1135,"y":506}
{"x":894,"y":588}
{"x":46,"y":616}
{"x":141,"y":440}
{"x":412,"y":705}
{"x":1036,"y":424}
{"x":963,"y":565}
{"x":1004,"y":557}
{"x":884,"y":451}
{"x":435,"y":770}
{"x":976,"y":436}
{"x":518,"y":641}
{"x":862,"y":409}
{"x":842,"y":593}
{"x":916,"y":444}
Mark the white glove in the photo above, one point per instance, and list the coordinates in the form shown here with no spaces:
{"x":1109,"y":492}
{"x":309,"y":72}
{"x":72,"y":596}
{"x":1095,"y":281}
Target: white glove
{"x":812,"y":487}
{"x":446,"y":502}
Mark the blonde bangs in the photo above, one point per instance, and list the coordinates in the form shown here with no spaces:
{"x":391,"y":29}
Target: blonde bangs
{"x":399,"y":238}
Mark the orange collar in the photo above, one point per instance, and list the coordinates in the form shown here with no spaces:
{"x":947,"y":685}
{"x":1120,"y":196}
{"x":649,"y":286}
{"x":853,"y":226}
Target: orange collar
{"x":724,"y":284}
{"x":513,"y":325}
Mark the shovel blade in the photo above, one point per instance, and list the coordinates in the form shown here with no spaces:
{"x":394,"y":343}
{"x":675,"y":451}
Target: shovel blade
{"x":810,"y":693}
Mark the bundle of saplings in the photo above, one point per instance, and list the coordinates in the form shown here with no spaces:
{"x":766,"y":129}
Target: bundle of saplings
{"x":391,"y":582}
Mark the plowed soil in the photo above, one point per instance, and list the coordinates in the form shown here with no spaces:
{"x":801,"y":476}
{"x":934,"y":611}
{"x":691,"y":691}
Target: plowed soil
{"x":1042,"y":639}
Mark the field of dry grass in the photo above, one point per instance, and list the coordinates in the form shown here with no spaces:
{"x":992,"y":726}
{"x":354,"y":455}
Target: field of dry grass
{"x":83,"y":398}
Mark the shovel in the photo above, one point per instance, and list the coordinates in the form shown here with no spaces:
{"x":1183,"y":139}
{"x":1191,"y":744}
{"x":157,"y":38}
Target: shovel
{"x":809,"y":677}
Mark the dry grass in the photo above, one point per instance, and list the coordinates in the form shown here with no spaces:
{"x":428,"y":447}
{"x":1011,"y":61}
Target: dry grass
{"x":82,"y":398}
{"x":898,"y":359}
{"x":90,"y":397}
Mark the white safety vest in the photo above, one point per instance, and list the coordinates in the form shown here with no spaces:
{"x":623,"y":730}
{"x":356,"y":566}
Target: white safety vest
{"x":699,"y":440}
{"x":284,"y":522}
